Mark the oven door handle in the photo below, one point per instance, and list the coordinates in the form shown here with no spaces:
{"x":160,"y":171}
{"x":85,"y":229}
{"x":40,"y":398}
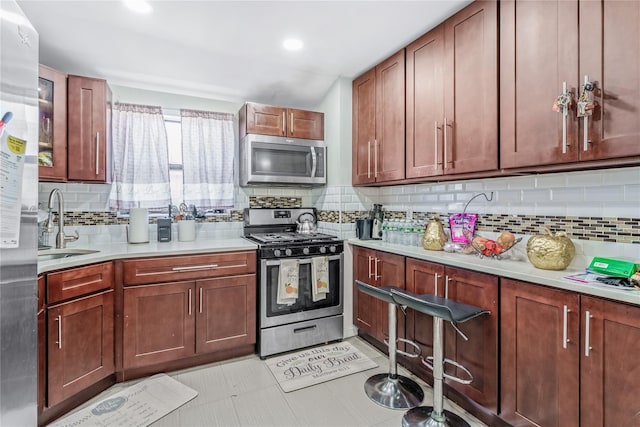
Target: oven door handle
{"x":302,"y":260}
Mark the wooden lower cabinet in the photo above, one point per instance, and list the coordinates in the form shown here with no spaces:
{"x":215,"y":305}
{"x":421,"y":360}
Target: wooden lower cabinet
{"x":480,"y":353}
{"x":80,"y":345}
{"x":609,"y":370}
{"x":376,"y":268}
{"x":159,"y":323}
{"x":226,"y":316}
{"x":165,"y":322}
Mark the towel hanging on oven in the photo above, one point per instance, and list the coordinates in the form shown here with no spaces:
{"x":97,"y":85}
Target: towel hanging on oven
{"x":319,"y":278}
{"x":288,"y":278}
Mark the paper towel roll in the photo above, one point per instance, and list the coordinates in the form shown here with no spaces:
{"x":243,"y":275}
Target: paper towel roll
{"x":138,"y":225}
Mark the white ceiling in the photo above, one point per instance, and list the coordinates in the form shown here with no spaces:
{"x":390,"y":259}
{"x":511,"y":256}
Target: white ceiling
{"x":229,"y":50}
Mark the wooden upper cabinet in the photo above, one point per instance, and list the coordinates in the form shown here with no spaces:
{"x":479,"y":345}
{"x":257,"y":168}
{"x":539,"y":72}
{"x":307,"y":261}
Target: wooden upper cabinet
{"x":279,"y":121}
{"x":364,"y":127}
{"x":538,"y":54}
{"x":52,"y":131}
{"x":379,"y":123}
{"x":388,"y":147}
{"x":89,"y":135}
{"x":610,"y":57}
{"x":425,"y":104}
{"x":471,"y":89}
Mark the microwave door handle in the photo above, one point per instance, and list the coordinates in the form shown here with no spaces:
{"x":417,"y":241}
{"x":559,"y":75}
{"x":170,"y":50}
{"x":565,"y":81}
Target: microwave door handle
{"x":314,"y":162}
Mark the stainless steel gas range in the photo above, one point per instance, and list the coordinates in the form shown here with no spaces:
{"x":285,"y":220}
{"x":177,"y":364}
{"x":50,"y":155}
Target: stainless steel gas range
{"x":291,"y":318}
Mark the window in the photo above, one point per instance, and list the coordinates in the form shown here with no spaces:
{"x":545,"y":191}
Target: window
{"x":174,"y":140}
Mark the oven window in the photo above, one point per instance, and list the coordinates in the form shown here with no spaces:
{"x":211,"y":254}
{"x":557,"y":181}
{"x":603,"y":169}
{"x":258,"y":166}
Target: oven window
{"x":304,"y":301}
{"x":279,"y":160}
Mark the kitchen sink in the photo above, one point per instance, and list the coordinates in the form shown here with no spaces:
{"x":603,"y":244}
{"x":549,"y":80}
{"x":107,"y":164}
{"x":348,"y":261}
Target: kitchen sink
{"x":49,"y":254}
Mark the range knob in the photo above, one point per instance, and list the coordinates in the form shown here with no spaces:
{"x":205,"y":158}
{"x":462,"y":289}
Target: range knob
{"x":305,"y":251}
{"x":287,"y":252}
{"x":332,"y":249}
{"x":323,"y":249}
{"x":276,"y":252}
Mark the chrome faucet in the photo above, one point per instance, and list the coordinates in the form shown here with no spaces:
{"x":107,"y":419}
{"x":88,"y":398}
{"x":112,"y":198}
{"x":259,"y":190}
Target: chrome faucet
{"x":61,"y":239}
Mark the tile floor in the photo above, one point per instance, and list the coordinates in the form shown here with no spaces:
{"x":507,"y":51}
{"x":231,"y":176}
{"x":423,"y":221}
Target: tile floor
{"x":243,"y":392}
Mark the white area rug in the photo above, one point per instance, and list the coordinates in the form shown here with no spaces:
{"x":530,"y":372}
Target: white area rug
{"x":138,"y":405}
{"x":317,"y":365}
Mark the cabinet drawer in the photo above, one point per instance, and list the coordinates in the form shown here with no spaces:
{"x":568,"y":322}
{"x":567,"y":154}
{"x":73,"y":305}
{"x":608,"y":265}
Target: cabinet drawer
{"x":155,"y":270}
{"x":79,"y":281}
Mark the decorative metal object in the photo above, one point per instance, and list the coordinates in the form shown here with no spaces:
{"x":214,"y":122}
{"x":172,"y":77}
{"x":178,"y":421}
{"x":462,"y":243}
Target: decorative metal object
{"x":434,"y":236}
{"x":550,"y":251}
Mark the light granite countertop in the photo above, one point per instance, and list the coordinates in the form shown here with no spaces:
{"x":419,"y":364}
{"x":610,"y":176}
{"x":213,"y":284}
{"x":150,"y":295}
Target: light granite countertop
{"x":518,"y":268}
{"x":116,"y":251}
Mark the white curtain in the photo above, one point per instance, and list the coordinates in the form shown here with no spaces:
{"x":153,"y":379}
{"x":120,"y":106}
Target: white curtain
{"x":207,"y":158}
{"x":140,"y":158}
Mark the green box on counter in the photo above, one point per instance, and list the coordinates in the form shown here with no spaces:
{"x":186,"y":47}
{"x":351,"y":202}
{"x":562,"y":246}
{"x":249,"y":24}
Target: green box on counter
{"x":613,"y":267}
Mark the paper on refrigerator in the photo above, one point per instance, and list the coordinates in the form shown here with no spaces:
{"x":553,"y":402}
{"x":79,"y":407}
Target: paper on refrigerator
{"x":12,"y":154}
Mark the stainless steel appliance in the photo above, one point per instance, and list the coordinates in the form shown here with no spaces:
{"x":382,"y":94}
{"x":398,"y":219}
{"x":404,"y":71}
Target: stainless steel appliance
{"x":18,"y":217}
{"x":285,"y":327}
{"x":282,"y":161}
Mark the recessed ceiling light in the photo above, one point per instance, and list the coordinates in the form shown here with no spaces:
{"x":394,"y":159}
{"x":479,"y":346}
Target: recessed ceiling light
{"x":292,"y":44}
{"x":139,"y":6}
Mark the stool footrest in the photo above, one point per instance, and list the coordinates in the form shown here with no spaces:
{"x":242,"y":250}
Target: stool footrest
{"x":404,"y":353}
{"x":425,"y":362}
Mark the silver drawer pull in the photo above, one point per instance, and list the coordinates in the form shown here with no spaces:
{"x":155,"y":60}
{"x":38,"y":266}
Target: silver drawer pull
{"x":59,"y":320}
{"x":195,"y":267}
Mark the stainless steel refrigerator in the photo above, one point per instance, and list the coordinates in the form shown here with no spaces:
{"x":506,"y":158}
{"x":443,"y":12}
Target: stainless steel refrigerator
{"x":18,"y":216}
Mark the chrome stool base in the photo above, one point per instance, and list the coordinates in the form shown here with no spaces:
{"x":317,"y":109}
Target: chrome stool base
{"x":421,"y":417}
{"x":394,"y":393}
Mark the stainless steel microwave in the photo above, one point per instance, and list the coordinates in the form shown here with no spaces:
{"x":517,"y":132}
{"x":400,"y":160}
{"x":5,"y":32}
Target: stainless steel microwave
{"x":275,"y":160}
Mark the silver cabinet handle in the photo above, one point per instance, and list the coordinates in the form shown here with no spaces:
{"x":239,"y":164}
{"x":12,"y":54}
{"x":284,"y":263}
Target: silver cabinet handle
{"x":368,"y":159}
{"x":565,"y":114}
{"x":376,"y":277}
{"x":446,"y":286}
{"x":369,"y":275}
{"x":585,"y":122}
{"x":446,"y":143}
{"x":565,"y":322}
{"x":189,"y":302}
{"x":200,"y":300}
{"x":291,"y":130}
{"x":97,"y":152}
{"x":59,"y":320}
{"x":435,"y":283}
{"x":587,"y":332}
{"x":195,"y":267}
{"x":375,"y":157}
{"x":284,"y":119}
{"x":435,"y":146}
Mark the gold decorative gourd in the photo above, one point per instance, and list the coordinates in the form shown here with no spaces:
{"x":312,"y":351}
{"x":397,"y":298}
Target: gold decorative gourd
{"x":550,"y":251}
{"x":434,"y":236}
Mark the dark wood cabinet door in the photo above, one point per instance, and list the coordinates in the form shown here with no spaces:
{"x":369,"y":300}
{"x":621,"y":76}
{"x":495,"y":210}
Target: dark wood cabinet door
{"x":52,"y":141}
{"x":425,"y":104}
{"x":423,"y":277}
{"x":266,"y":119}
{"x":159,"y":323}
{"x":80,"y":345}
{"x":364,"y":128}
{"x":226,"y":313}
{"x":389,"y":271}
{"x":610,"y":56}
{"x":365,"y":307}
{"x":478,"y":354}
{"x":540,"y":370}
{"x":88,"y":131}
{"x":471,"y":85}
{"x":538,"y":53}
{"x":305,"y":124}
{"x":610,"y":374}
{"x":388,"y":147}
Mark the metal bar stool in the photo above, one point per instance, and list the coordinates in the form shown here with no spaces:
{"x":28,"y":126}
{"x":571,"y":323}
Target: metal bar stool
{"x":440,"y":309}
{"x":391,"y":390}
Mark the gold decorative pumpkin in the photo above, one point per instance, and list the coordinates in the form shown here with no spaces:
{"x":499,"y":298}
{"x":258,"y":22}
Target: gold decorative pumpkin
{"x":434,"y":236}
{"x":550,"y":251}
